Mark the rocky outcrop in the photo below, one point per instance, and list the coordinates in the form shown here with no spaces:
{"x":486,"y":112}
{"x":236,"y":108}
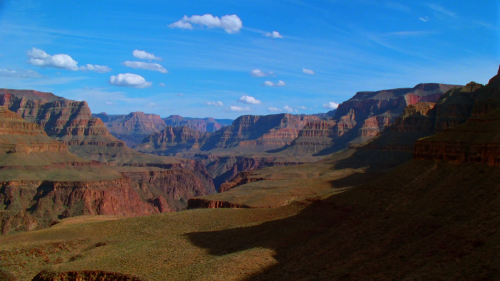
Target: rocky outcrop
{"x":65,"y":120}
{"x":200,"y":203}
{"x":132,"y":128}
{"x":173,"y":140}
{"x":240,"y":179}
{"x":20,"y":136}
{"x":365,"y":116}
{"x":258,"y":133}
{"x":199,"y":124}
{"x":88,"y":275}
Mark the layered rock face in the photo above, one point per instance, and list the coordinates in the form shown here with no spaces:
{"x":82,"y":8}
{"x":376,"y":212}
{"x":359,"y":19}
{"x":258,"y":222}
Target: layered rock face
{"x":173,"y":140}
{"x":259,"y":133}
{"x":134,"y":127}
{"x":68,"y":121}
{"x":199,"y":124}
{"x":20,"y":136}
{"x":475,"y":141}
{"x":365,"y":116}
{"x":40,"y":181}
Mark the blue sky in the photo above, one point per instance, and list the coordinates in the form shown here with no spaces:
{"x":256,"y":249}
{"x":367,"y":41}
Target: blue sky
{"x":242,"y":57}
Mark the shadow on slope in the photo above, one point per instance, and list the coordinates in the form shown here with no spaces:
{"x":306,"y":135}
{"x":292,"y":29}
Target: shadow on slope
{"x":422,"y":221}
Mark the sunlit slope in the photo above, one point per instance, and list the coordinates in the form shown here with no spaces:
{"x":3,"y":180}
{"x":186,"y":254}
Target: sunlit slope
{"x":424,"y":221}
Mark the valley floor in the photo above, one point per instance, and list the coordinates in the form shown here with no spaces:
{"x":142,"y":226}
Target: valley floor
{"x":422,"y":221}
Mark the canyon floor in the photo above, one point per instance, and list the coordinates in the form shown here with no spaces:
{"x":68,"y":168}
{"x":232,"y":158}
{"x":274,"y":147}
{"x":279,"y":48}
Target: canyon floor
{"x":422,"y":220}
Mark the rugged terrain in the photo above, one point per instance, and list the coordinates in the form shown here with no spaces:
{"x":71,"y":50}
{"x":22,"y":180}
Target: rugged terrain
{"x":66,"y":163}
{"x":199,"y":124}
{"x":133,"y":127}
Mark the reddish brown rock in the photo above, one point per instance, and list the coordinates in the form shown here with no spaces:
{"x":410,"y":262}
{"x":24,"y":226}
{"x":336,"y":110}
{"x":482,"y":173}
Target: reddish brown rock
{"x":240,"y":179}
{"x":199,"y":124}
{"x":200,"y":203}
{"x":259,"y":133}
{"x":173,"y":140}
{"x":68,"y":121}
{"x":134,"y":127}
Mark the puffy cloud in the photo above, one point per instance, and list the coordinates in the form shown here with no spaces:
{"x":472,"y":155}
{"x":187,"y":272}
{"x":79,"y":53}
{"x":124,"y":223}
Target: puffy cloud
{"x":249,"y":100}
{"x":129,"y":80}
{"x":96,"y":68}
{"x":424,"y":19}
{"x":288,"y":109}
{"x":274,"y":34}
{"x":307,"y":71}
{"x":215,"y":103}
{"x":145,"y":65}
{"x":331,"y":105}
{"x":272,"y":84}
{"x":5,"y":72}
{"x":143,"y":55}
{"x":238,"y":108}
{"x":302,"y":107}
{"x":41,"y":58}
{"x":151,"y":104}
{"x":230,"y":23}
{"x":162,"y":84}
{"x":274,"y":109}
{"x":180,"y":94}
{"x":259,"y":73}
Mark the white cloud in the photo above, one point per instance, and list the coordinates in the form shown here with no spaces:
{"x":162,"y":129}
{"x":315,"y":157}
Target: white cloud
{"x":41,"y":58}
{"x":96,"y":68}
{"x":272,"y":84}
{"x":274,"y":109}
{"x":5,"y":72}
{"x":249,"y":100}
{"x":230,"y":23}
{"x":129,"y":80}
{"x":424,"y":19}
{"x":162,"y":84}
{"x":288,"y":109}
{"x":238,"y":108}
{"x":442,"y":10}
{"x":109,"y":103}
{"x":274,"y":34}
{"x":302,"y":107}
{"x":331,"y":105}
{"x":307,"y":71}
{"x":215,"y":103}
{"x":143,"y":55}
{"x":180,"y":94}
{"x":145,"y":65}
{"x":151,"y":104}
{"x":259,"y":73}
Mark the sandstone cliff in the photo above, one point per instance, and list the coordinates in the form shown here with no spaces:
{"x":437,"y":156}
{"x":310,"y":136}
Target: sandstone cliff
{"x":41,"y":181}
{"x":199,"y":124}
{"x":475,"y":141}
{"x":365,"y":116}
{"x":258,"y":133}
{"x":132,"y":128}
{"x":173,"y":140}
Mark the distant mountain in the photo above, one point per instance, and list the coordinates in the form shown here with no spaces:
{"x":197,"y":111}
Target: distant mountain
{"x":200,"y":124}
{"x":133,"y":127}
{"x":361,"y":118}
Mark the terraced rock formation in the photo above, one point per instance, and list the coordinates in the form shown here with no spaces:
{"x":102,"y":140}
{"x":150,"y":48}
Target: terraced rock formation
{"x":250,"y":133}
{"x":199,"y":124}
{"x":133,"y":127}
{"x":173,"y":140}
{"x":41,"y":181}
{"x":364,"y":116}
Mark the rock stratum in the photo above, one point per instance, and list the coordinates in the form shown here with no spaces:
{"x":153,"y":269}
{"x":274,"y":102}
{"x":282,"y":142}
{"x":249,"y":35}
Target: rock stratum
{"x":41,"y":181}
{"x":132,"y":128}
{"x":199,"y":124}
